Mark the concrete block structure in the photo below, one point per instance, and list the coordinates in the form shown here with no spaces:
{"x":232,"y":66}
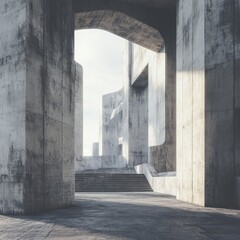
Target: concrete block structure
{"x":193,"y":82}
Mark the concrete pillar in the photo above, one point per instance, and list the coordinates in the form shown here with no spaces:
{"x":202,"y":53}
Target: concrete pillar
{"x":78,"y":119}
{"x":138,"y":126}
{"x":137,"y":108}
{"x":95,"y":150}
{"x":206,"y":105}
{"x":37,"y":77}
{"x":237,"y":98}
{"x":13,"y":15}
{"x":163,"y":155}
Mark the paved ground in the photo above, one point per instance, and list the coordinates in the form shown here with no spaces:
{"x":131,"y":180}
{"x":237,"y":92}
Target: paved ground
{"x":115,"y":216}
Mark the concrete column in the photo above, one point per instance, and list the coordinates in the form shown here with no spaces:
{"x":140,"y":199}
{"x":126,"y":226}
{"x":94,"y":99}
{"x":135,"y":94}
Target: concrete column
{"x":13,"y":18}
{"x":78,"y":119}
{"x":206,"y":105}
{"x":138,"y":108}
{"x":37,"y":77}
{"x":138,"y":126}
{"x":95,"y":149}
{"x":163,"y":155}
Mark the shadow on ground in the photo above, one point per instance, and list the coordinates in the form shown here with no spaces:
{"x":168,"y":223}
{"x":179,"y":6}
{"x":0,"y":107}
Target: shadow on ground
{"x":139,"y":216}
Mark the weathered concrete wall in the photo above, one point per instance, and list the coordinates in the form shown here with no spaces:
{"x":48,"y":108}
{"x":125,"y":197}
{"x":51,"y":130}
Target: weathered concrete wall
{"x":219,"y":102}
{"x":13,"y":29}
{"x":100,"y":162}
{"x":37,"y":74}
{"x":190,"y":101}
{"x":119,"y":24}
{"x":37,"y":163}
{"x":161,"y":81}
{"x":58,"y":103}
{"x":78,"y":118}
{"x":236,"y":15}
{"x":237,"y":193}
{"x":119,"y":16}
{"x":112,"y":120}
{"x":95,"y":149}
{"x":138,"y":122}
{"x":207,"y":101}
{"x":165,"y":183}
{"x":163,"y":155}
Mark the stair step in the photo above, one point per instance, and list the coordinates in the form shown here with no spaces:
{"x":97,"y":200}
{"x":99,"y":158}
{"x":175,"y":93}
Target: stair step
{"x":111,"y":182}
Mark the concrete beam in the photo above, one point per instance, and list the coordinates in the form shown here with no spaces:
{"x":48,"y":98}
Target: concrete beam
{"x":121,"y":25}
{"x":133,"y":20}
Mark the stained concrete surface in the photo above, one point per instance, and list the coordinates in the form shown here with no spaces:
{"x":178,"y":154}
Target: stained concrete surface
{"x":125,"y":216}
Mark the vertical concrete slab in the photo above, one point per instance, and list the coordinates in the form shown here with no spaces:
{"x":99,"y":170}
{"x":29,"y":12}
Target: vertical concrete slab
{"x":163,"y":155}
{"x":95,"y":149}
{"x":138,"y":126}
{"x":161,"y":79}
{"x":34,"y":184}
{"x":127,"y":60}
{"x":78,"y":121}
{"x":198,"y":86}
{"x":237,"y":85}
{"x":58,"y":104}
{"x":69,"y":77}
{"x":13,"y":14}
{"x":112,"y":120}
{"x":206,"y":102}
{"x":190,"y":101}
{"x":37,"y":105}
{"x":219,"y":103}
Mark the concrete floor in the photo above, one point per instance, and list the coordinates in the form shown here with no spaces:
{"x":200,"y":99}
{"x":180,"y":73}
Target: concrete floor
{"x":125,"y":216}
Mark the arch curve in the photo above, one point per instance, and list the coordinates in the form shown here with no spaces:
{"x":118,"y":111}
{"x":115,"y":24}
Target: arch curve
{"x":121,"y":25}
{"x":140,"y":21}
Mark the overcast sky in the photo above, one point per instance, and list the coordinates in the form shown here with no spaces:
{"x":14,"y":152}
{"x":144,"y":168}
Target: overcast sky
{"x":101,"y":55}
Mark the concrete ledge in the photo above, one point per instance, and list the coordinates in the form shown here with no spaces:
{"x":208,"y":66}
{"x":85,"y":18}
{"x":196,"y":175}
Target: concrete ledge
{"x":165,"y":183}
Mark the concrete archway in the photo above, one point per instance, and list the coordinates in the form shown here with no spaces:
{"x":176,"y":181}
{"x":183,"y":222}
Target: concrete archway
{"x":38,"y":73}
{"x":39,"y":172}
{"x":121,"y":25}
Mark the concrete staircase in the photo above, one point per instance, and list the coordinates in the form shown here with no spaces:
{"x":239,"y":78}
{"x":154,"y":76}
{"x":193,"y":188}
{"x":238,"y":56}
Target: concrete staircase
{"x":111,"y":182}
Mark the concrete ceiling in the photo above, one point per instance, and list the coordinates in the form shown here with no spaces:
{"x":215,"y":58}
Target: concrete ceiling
{"x":101,"y":4}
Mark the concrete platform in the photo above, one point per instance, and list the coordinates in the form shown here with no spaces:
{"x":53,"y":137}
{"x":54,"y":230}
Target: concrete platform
{"x":135,"y":216}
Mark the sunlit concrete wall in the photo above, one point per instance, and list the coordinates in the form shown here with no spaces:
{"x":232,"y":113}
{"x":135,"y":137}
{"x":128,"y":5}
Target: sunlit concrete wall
{"x":160,"y":137}
{"x":95,"y":149}
{"x":112,"y":121}
{"x":207,"y":101}
{"x":78,"y":117}
{"x":190,"y":101}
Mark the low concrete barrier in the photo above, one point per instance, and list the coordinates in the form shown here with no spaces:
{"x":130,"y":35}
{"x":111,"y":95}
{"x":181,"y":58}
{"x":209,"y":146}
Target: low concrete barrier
{"x":165,"y":183}
{"x":99,"y":162}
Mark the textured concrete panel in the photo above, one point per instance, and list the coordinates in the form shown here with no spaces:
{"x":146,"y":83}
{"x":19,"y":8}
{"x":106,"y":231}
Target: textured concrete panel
{"x":237,"y":86}
{"x":37,"y":169}
{"x":190,"y":101}
{"x":219,"y":121}
{"x":150,"y":13}
{"x":78,"y":118}
{"x":121,"y":25}
{"x":12,"y":104}
{"x":59,"y":99}
{"x":138,"y":126}
{"x":112,"y":121}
